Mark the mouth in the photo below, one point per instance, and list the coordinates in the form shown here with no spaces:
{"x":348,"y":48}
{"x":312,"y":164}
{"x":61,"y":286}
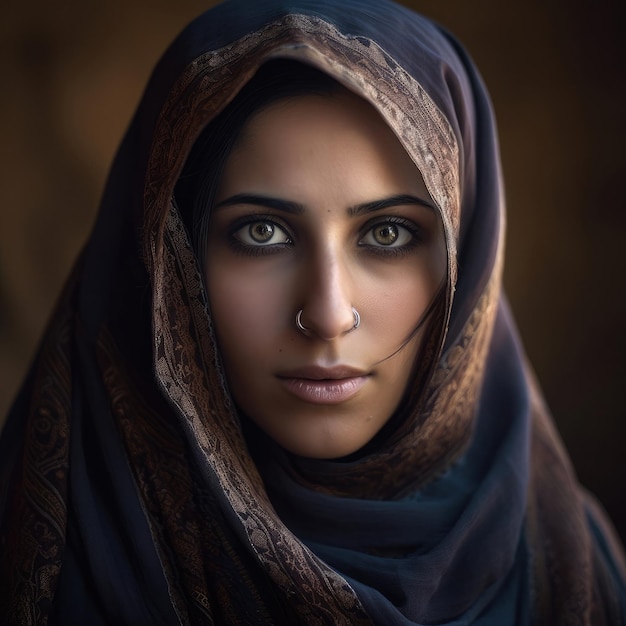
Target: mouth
{"x":322,"y":385}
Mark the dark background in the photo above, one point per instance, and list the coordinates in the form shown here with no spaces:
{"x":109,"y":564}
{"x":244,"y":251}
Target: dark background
{"x":72,"y":73}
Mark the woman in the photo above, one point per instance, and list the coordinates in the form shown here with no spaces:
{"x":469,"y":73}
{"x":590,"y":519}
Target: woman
{"x":282,"y":385}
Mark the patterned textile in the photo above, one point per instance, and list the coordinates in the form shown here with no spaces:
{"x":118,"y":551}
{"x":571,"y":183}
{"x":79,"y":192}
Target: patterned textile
{"x":130,"y":490}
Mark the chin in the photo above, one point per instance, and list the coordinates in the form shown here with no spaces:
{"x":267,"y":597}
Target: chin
{"x":327,"y":449}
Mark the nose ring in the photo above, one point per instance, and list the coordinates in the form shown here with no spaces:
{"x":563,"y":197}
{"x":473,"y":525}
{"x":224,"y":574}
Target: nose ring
{"x":357,"y":320}
{"x":303,"y":329}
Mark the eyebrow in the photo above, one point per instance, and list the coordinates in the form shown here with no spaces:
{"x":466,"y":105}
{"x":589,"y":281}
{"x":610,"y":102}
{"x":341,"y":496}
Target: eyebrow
{"x":385,"y":203}
{"x":295,"y":208}
{"x":265,"y":201}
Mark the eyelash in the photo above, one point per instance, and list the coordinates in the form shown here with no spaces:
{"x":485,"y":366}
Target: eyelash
{"x":258,"y":250}
{"x":416,"y":233}
{"x":417,"y":236}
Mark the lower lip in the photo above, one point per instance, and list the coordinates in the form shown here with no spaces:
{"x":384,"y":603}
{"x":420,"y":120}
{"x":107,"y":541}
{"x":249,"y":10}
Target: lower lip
{"x":324,"y":391}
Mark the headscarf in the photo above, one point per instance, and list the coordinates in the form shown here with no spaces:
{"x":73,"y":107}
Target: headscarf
{"x":131,"y":493}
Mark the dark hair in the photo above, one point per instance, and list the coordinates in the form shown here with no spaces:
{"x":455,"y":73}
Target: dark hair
{"x":195,"y":190}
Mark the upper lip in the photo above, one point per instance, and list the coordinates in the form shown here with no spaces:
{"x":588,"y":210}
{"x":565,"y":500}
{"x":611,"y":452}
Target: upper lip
{"x":318,"y":372}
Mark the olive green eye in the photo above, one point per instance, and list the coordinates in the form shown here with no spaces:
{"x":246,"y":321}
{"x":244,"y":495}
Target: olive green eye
{"x":385,"y":234}
{"x":261,"y":232}
{"x":389,"y":234}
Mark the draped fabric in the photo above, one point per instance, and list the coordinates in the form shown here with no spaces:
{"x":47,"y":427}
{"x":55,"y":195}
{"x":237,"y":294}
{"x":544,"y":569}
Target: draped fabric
{"x":131,"y":492}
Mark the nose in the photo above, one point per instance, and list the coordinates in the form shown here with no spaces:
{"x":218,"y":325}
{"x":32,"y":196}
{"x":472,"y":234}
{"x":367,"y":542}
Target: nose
{"x":327,"y":306}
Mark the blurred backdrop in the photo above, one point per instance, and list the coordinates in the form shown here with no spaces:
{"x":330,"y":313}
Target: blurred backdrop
{"x":73,"y":72}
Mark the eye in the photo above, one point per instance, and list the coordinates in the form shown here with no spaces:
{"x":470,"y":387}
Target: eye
{"x":387,"y":234}
{"x":261,"y":233}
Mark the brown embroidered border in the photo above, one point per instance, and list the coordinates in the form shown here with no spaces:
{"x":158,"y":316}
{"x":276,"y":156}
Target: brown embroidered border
{"x":35,"y":536}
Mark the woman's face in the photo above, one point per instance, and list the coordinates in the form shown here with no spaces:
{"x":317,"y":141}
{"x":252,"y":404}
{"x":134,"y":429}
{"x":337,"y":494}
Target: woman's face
{"x":320,"y":209}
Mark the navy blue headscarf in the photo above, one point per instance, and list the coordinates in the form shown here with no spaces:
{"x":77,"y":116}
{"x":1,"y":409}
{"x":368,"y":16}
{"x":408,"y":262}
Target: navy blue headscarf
{"x":130,"y":491}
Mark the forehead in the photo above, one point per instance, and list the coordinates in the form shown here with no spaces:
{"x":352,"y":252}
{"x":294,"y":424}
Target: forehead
{"x":314,"y":144}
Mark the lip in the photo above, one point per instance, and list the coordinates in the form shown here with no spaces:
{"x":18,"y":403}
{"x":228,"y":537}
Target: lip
{"x":319,"y":372}
{"x":323,"y":385}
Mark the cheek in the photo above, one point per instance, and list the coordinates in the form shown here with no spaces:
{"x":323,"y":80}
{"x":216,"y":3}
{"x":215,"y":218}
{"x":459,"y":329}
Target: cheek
{"x":246,"y":309}
{"x":394,"y":306}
